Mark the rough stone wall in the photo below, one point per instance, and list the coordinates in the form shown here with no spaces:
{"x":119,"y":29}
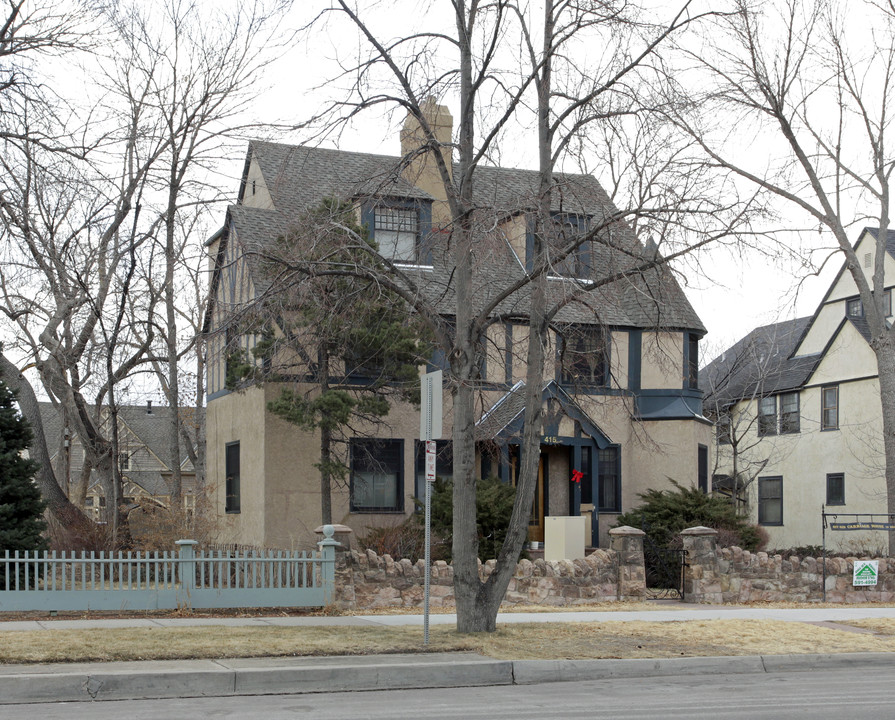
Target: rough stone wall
{"x":733,"y":575}
{"x":367,"y":580}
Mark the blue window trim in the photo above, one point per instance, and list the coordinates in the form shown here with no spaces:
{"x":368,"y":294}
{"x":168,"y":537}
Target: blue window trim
{"x":584,"y":251}
{"x":424,"y":227}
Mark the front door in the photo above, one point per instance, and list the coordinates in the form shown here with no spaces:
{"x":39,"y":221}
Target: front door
{"x":536,"y":522}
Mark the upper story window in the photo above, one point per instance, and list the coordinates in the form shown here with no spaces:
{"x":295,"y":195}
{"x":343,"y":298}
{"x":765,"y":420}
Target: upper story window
{"x":692,"y":361}
{"x":788,"y":419}
{"x":396,"y":231}
{"x":829,"y":410}
{"x":767,"y":415}
{"x":577,"y":263}
{"x":583,"y":356}
{"x":854,"y":307}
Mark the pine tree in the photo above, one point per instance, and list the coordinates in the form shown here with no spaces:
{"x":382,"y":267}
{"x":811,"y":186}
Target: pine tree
{"x":21,"y":506}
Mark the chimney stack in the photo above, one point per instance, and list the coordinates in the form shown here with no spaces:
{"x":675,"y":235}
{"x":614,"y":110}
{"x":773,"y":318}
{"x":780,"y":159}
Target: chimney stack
{"x":422,"y":170}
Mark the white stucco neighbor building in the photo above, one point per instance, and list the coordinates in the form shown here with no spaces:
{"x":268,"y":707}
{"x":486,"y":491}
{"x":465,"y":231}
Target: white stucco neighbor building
{"x":799,"y":420}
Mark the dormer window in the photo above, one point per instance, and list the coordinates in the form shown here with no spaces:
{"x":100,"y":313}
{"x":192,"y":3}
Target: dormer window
{"x":396,"y":231}
{"x":577,"y":264}
{"x":854,"y":307}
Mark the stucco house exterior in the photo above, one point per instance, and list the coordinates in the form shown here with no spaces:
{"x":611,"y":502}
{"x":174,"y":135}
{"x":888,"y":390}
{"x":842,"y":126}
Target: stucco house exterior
{"x":799,"y":420}
{"x":622,"y":406}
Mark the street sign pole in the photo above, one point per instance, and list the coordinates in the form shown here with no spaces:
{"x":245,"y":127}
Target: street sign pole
{"x":430,"y":428}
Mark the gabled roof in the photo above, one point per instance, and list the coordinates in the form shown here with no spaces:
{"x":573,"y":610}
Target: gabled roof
{"x":759,"y":364}
{"x":299,"y":178}
{"x":504,"y":419}
{"x":149,"y":425}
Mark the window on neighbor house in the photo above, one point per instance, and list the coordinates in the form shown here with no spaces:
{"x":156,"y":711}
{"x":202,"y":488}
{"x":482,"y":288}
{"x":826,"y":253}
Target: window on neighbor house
{"x":702,"y":468}
{"x":577,"y":264}
{"x":767,"y":415}
{"x":231,"y":472}
{"x":88,"y":501}
{"x":610,"y":490}
{"x":124,"y":460}
{"x":583,"y":356}
{"x":444,"y":464}
{"x":724,"y":428}
{"x":829,"y":411}
{"x":854,"y":307}
{"x":789,"y":413}
{"x":377,"y":475}
{"x":692,"y":361}
{"x":770,"y":500}
{"x":396,"y":231}
{"x":836,"y":489}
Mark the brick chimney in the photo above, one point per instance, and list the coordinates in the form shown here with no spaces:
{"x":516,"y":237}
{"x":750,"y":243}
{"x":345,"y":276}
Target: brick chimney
{"x":422,"y":170}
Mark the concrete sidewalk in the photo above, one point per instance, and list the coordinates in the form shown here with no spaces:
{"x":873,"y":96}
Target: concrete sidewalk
{"x":261,"y":676}
{"x":275,"y":676}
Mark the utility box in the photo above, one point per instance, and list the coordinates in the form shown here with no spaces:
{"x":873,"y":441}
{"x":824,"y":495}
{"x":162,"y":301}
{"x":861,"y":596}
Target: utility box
{"x":587,"y":512}
{"x":563,"y":537}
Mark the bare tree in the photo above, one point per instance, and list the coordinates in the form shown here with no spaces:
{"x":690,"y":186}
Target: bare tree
{"x":405,"y":73}
{"x":814,"y":81}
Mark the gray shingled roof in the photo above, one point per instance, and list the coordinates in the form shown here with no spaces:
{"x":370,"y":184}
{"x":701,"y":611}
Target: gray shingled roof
{"x":759,"y":364}
{"x":300,"y":177}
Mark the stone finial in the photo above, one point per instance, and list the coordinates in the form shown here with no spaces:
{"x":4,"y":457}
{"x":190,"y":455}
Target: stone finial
{"x":626,"y":531}
{"x":699,"y":530}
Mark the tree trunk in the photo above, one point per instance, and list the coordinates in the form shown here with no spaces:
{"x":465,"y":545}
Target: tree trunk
{"x":57,"y":501}
{"x":326,"y":500}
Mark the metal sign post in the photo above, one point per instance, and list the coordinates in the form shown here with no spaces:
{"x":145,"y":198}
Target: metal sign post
{"x":430,"y":428}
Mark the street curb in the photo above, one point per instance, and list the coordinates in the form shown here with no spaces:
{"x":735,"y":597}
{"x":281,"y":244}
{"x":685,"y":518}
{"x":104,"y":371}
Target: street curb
{"x":275,"y":676}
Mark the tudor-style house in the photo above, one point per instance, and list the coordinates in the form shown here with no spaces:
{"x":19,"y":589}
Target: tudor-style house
{"x":799,"y":420}
{"x":622,"y":406}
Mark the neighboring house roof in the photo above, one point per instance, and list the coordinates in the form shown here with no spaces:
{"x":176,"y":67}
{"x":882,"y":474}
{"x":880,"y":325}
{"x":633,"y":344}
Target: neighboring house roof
{"x":299,"y":178}
{"x":759,"y":364}
{"x":149,"y":425}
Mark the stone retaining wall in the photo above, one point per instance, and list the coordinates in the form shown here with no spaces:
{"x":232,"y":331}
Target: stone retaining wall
{"x":732,"y":575}
{"x":367,"y":580}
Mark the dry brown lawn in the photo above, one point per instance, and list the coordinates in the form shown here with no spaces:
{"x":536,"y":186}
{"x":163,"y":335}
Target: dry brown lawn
{"x":522,"y":641}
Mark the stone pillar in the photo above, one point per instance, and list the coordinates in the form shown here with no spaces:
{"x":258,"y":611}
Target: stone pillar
{"x":628,"y":543}
{"x":702,"y":571}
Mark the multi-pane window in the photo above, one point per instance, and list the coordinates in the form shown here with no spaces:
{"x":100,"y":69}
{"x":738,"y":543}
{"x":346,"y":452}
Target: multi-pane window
{"x":829,"y":411}
{"x":770,"y":500}
{"x":767,"y":415}
{"x":854,"y":307}
{"x":397,"y":233}
{"x":377,"y":475}
{"x":610,"y":480}
{"x":789,"y":413}
{"x":836,"y":489}
{"x":231,"y":471}
{"x":788,"y":419}
{"x":577,"y":263}
{"x":583,"y":358}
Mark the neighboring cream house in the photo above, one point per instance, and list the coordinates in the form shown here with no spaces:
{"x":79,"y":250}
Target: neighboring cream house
{"x":799,"y":420}
{"x":622,"y":406}
{"x":145,"y":469}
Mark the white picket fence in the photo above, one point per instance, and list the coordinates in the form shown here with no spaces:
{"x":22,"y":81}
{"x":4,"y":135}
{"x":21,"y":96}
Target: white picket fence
{"x":186,"y":579}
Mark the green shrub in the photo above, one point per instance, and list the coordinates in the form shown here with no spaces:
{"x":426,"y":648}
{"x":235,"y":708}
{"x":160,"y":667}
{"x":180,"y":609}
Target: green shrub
{"x":494,"y":506}
{"x":664,"y":513}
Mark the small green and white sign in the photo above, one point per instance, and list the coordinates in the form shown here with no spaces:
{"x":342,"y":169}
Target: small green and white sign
{"x":866,"y":572}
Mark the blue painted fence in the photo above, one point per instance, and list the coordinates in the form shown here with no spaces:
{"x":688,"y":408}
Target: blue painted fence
{"x":158,"y":581}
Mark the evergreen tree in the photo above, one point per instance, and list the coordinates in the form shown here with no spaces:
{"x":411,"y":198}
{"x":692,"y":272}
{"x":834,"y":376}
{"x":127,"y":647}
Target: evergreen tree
{"x":351,"y":339}
{"x":21,"y":506}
